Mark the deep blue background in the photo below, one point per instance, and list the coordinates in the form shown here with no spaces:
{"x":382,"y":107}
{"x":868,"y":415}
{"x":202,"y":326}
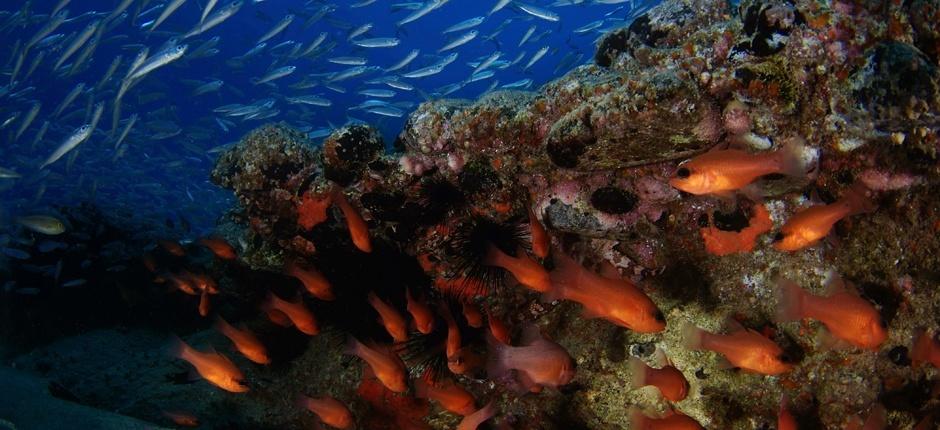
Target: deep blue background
{"x":167,"y":179}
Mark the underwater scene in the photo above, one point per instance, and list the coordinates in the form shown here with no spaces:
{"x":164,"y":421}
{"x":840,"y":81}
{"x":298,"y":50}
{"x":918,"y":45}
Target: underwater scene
{"x":470,"y":214}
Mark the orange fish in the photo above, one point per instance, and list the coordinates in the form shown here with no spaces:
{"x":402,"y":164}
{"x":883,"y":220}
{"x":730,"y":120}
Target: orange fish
{"x":182,"y":283}
{"x":672,"y":421}
{"x":451,"y":396}
{"x":785,"y":420}
{"x":172,"y":247}
{"x":616,"y":300}
{"x":392,"y":320}
{"x":540,"y":239}
{"x":527,"y":271}
{"x":204,"y":282}
{"x":245,"y":342}
{"x":808,"y":226}
{"x":472,"y":421}
{"x":498,"y":328}
{"x":847,"y":316}
{"x":877,"y":420}
{"x":726,"y":170}
{"x":744,"y":348}
{"x":182,"y":419}
{"x":219,"y":247}
{"x":296,"y":312}
{"x":212,"y":366}
{"x":314,"y":281}
{"x":204,"y":303}
{"x":384,"y":364}
{"x":331,"y":411}
{"x":460,"y":360}
{"x":424,"y":318}
{"x":149,"y":263}
{"x":358,"y":229}
{"x":926,"y":349}
{"x":669,"y":380}
{"x":472,"y":314}
{"x":539,"y":363}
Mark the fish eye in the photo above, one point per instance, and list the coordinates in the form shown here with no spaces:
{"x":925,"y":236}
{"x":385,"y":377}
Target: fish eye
{"x":882,"y":323}
{"x":683,"y":172}
{"x":784,"y":357}
{"x":659,"y":316}
{"x":778,"y":237}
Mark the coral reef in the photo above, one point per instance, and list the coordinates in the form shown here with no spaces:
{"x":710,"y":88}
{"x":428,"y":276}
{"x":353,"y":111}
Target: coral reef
{"x":454,"y":219}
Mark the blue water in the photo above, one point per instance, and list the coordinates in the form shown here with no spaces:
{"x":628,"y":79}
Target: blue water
{"x":167,"y":180}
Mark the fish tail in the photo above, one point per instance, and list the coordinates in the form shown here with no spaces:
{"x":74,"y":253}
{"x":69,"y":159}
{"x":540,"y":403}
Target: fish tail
{"x":637,"y":373}
{"x":496,"y":365}
{"x":223,"y":326}
{"x":638,"y":419}
{"x":495,"y":257}
{"x":352,"y":347}
{"x":791,"y":158}
{"x":691,"y":335}
{"x":790,"y":298}
{"x":857,"y":199}
{"x":179,"y":348}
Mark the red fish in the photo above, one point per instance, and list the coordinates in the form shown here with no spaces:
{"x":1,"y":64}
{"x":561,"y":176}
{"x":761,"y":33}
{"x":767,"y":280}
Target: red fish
{"x":539,"y":363}
{"x":331,"y":411}
{"x":616,"y":300}
{"x":743,"y":348}
{"x":926,"y":349}
{"x":498,"y":328}
{"x":472,"y":421}
{"x":219,"y":247}
{"x":785,"y":420}
{"x":424,"y":318}
{"x":723,"y":171}
{"x":296,"y":312}
{"x":312,"y":210}
{"x":672,"y":421}
{"x":540,"y":240}
{"x":669,"y":380}
{"x":527,"y":271}
{"x":810,"y":225}
{"x":877,"y":420}
{"x":847,"y":316}
{"x":392,"y":320}
{"x":314,"y":281}
{"x":245,"y":342}
{"x":204,"y":304}
{"x":174,"y":248}
{"x":472,"y":314}
{"x":384,"y":364}
{"x":451,"y":396}
{"x":460,"y":360}
{"x":182,"y":419}
{"x":358,"y":229}
{"x":212,"y":366}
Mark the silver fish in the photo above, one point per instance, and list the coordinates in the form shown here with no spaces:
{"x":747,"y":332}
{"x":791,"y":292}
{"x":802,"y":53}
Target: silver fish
{"x":78,"y":136}
{"x":536,"y":57}
{"x":359,"y":31}
{"x":309,"y":100}
{"x":27,"y":120}
{"x":69,"y":98}
{"x":127,"y":129}
{"x":276,"y":74}
{"x":349,"y":61}
{"x":286,"y":21}
{"x":208,"y":88}
{"x":460,"y":40}
{"x":499,"y":5}
{"x":428,"y":7}
{"x":377,"y":42}
{"x":171,"y":7}
{"x":538,"y":12}
{"x":404,"y":62}
{"x":527,"y":35}
{"x":463,"y":25}
{"x":77,"y":43}
{"x":205,"y":12}
{"x":215,"y":19}
{"x":159,"y":59}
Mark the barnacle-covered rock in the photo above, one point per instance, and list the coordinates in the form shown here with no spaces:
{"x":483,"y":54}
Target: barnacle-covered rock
{"x":767,"y":25}
{"x":898,"y":83}
{"x":348,"y":151}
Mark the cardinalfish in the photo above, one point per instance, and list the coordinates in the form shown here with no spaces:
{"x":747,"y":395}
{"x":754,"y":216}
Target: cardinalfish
{"x":219,"y":247}
{"x":358,"y":229}
{"x":527,"y":271}
{"x":384,"y":364}
{"x":877,"y":420}
{"x":245,"y":342}
{"x":212,"y":366}
{"x":498,"y":328}
{"x":314,"y":281}
{"x":846,"y":315}
{"x":285,"y":313}
{"x":472,"y":421}
{"x":669,"y":380}
{"x":744,"y":348}
{"x":393,"y":322}
{"x":331,"y":411}
{"x":182,"y":419}
{"x":672,"y":421}
{"x":785,"y":420}
{"x":727,"y":170}
{"x":451,"y":396}
{"x":423,"y":317}
{"x":173,"y":248}
{"x":472,"y":314}
{"x":926,"y":349}
{"x":460,"y":359}
{"x":810,"y":225}
{"x":538,"y":363}
{"x":616,"y":300}
{"x":540,"y":239}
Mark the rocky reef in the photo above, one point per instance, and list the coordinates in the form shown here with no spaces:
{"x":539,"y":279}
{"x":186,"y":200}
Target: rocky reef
{"x":589,"y":159}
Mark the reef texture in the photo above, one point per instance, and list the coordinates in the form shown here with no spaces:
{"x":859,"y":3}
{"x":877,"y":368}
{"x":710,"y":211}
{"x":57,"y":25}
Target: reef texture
{"x":590,"y":156}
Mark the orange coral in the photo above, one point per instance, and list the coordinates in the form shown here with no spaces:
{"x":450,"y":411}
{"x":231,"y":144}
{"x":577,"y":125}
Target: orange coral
{"x":720,"y":242}
{"x":312,"y":210}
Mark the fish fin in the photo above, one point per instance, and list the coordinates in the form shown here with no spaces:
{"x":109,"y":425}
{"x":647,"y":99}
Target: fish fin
{"x":352,"y":347}
{"x":495,"y":360}
{"x":724,"y":364}
{"x":834,"y":284}
{"x":589,"y":314}
{"x":691,"y":335}
{"x":660,"y":359}
{"x":566,"y":274}
{"x":790,"y":297}
{"x":494,"y":256}
{"x":827,"y":341}
{"x":178,"y":348}
{"x":637,"y":373}
{"x":609,"y":271}
{"x":790,"y":157}
{"x":530,"y":333}
{"x":279,"y":318}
